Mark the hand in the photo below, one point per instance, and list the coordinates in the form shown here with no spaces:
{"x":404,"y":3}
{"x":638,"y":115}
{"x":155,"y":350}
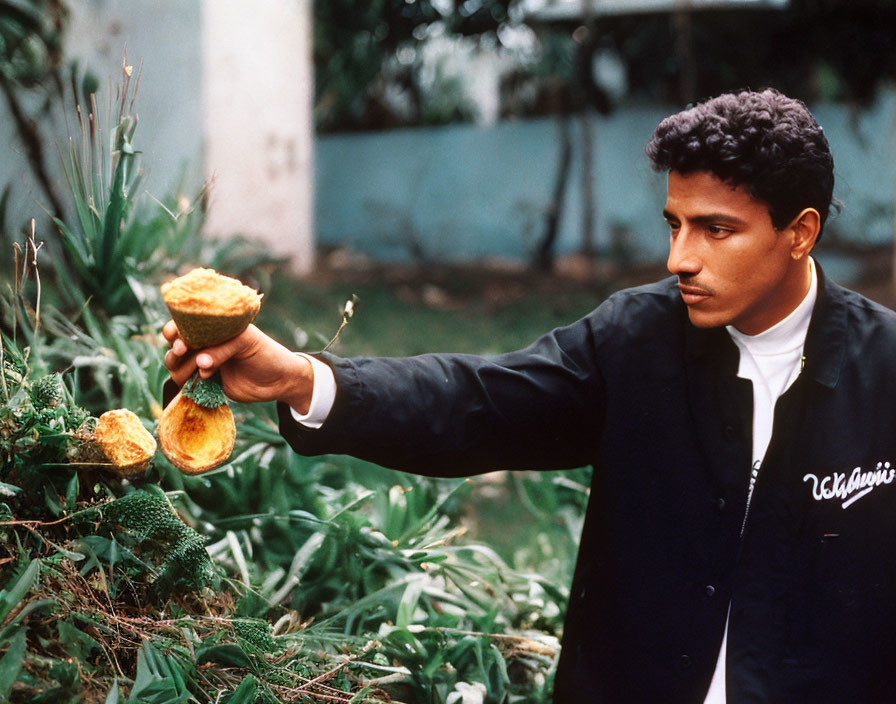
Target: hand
{"x":253,"y":366}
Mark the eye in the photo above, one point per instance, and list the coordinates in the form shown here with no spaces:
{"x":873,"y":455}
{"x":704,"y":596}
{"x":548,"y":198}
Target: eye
{"x":718,"y":231}
{"x":673,"y":225}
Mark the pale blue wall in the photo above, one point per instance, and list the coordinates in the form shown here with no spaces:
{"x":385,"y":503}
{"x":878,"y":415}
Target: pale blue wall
{"x":465,"y":192}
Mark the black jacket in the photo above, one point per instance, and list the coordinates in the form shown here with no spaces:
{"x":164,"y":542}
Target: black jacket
{"x":655,"y":405}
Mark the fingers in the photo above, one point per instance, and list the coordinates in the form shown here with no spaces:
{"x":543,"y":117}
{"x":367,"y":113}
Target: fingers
{"x":207,"y":364}
{"x":210,"y":359}
{"x":180,"y":367}
{"x":179,"y":363}
{"x":178,"y":346}
{"x":170,"y":331}
{"x":182,"y":362}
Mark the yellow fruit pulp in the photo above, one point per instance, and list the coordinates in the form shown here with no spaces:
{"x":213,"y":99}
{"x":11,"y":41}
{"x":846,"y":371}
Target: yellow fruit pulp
{"x":126,"y":443}
{"x":206,"y":292}
{"x":195,"y":438}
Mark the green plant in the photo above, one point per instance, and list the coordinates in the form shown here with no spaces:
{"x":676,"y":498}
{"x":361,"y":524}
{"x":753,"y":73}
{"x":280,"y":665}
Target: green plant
{"x":102,"y":251}
{"x":30,"y":57}
{"x":272,"y":578}
{"x":119,"y":577}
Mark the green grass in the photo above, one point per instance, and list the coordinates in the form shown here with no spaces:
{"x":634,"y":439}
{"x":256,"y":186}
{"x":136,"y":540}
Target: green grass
{"x":407,"y":312}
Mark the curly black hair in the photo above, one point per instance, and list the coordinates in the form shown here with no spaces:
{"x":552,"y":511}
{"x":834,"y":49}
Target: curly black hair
{"x":765,"y":142}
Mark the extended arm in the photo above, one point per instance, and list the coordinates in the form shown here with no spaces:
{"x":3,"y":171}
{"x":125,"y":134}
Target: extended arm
{"x":456,"y":415}
{"x":441,"y":414}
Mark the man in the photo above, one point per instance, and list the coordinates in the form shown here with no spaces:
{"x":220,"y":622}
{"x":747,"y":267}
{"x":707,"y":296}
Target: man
{"x":739,"y":417}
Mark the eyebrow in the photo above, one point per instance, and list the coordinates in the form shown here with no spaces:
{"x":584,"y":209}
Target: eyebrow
{"x":710,"y":218}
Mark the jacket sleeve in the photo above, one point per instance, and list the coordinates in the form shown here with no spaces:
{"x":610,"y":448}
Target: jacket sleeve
{"x":457,"y":415}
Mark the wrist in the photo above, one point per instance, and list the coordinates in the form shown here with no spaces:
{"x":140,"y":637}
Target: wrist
{"x":298,"y":390}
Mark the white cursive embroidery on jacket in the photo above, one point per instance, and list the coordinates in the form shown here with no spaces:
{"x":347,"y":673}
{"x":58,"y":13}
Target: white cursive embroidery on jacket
{"x":837,"y":486}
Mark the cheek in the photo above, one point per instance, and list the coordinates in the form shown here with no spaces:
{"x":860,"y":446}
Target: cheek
{"x":732,"y":268}
{"x":756,"y":276}
{"x":746,"y":263}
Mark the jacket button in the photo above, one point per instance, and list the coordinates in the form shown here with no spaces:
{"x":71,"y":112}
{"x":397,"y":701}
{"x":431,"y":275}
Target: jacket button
{"x":729,"y":431}
{"x":710,"y":590}
{"x":684,"y":661}
{"x":721,"y":504}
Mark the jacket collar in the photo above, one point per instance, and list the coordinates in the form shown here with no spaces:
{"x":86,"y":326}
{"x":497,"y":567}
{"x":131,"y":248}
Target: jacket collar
{"x":825,"y":346}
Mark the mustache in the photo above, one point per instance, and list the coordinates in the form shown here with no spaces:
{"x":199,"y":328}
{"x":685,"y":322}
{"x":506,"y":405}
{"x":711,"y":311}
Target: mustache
{"x":691,"y":284}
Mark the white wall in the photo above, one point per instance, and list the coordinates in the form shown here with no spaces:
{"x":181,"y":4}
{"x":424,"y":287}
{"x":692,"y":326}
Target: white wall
{"x":225,"y":92}
{"x":257,"y":89}
{"x":160,"y":40}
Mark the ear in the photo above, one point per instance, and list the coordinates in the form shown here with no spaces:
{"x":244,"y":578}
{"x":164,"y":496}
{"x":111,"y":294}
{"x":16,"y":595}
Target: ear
{"x":805,"y":227}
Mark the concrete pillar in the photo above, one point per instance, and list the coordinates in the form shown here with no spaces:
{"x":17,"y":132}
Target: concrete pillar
{"x":257,"y":93}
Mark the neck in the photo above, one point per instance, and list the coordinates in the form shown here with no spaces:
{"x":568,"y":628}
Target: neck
{"x":791,"y":292}
{"x":801,"y":282}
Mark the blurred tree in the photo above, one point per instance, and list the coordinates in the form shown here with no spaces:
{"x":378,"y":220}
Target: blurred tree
{"x":30,"y":62}
{"x":365,"y":50}
{"x":841,"y":50}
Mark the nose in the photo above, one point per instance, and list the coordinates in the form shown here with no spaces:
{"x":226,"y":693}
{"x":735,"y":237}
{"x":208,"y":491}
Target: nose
{"x":683,"y":257}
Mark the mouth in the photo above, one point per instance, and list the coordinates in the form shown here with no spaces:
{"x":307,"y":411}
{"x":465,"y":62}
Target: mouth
{"x":692,"y":295}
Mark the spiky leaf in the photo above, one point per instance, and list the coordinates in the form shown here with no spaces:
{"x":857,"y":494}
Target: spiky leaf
{"x":206,"y":392}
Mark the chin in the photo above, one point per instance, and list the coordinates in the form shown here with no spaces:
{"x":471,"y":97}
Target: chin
{"x":707,"y":320}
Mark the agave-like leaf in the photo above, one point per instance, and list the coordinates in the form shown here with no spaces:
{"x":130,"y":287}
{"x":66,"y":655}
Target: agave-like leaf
{"x":12,"y":596}
{"x":11,"y":663}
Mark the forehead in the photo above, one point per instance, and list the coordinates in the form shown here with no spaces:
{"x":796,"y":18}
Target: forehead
{"x":702,"y":192}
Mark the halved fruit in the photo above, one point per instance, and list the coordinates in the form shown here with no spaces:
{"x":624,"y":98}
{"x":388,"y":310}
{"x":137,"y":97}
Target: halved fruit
{"x":210,"y":308}
{"x":196,"y":438}
{"x":125,"y":442}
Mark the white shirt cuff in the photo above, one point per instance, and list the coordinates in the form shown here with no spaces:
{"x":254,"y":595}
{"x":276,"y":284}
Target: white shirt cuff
{"x":322,"y":395}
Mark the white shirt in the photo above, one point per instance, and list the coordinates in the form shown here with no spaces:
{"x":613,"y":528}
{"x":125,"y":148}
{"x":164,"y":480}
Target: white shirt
{"x":772,"y":360}
{"x":323,"y":394}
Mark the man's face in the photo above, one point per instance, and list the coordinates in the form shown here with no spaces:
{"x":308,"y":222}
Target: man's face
{"x":733,"y":266}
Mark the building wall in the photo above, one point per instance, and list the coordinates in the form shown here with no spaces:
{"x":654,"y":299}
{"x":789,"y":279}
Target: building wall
{"x":464,"y":192}
{"x":257,"y":122}
{"x":224,"y":93}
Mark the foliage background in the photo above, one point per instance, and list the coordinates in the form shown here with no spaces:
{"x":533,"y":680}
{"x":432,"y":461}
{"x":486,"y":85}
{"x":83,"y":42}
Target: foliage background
{"x":374,"y":68}
{"x":274,"y":577}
